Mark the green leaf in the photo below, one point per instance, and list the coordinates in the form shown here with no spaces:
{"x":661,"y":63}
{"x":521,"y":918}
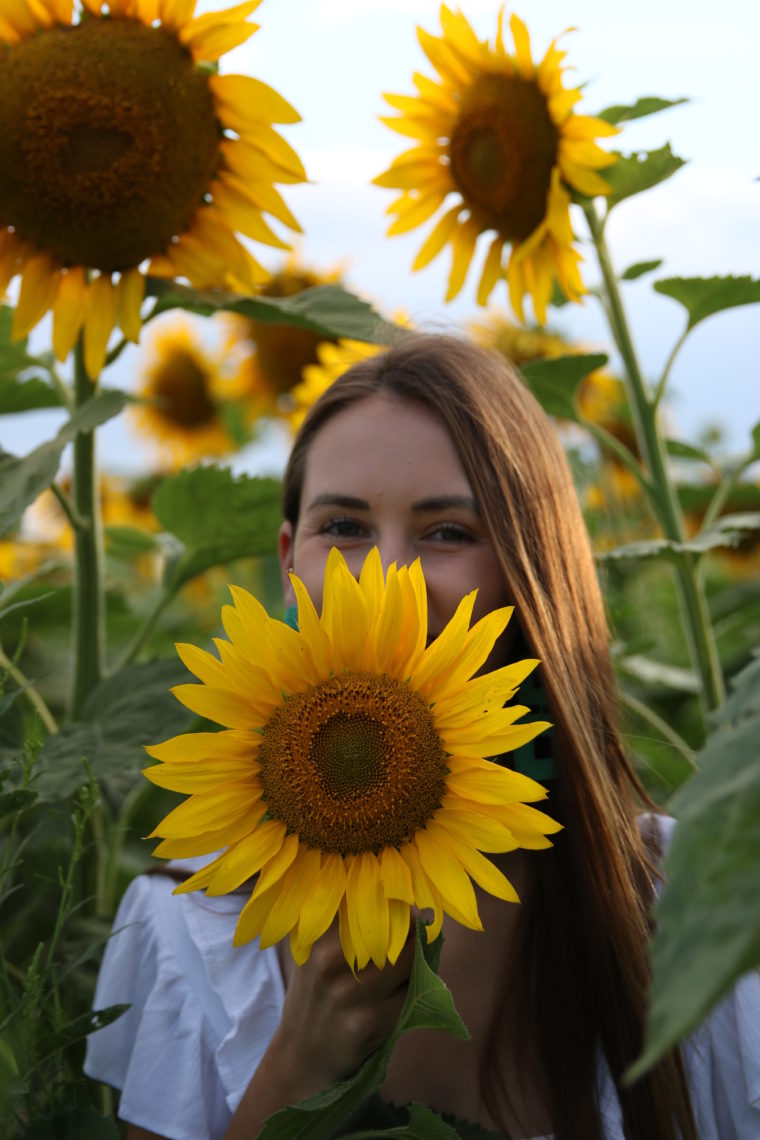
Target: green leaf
{"x":128,"y":541}
{"x":681,"y":450}
{"x":709,"y":913}
{"x":725,"y":531}
{"x":639,"y":268}
{"x":217,"y":517}
{"x":428,"y":1005}
{"x":16,"y":801}
{"x":646,"y":105}
{"x":651,"y":672}
{"x":639,"y":171}
{"x":22,"y":480}
{"x":329,"y":309}
{"x":26,"y":395}
{"x":122,"y":714}
{"x":555,"y":381}
{"x":703,"y":296}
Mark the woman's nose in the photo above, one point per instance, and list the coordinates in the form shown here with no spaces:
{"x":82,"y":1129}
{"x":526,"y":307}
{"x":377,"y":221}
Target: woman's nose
{"x":395,"y":548}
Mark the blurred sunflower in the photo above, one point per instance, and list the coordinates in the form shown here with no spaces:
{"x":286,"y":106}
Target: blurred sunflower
{"x":332,"y":361}
{"x":277,"y":353}
{"x":351,"y":776}
{"x":122,"y":154}
{"x":121,"y":504}
{"x":196,"y":400}
{"x":498,"y":131}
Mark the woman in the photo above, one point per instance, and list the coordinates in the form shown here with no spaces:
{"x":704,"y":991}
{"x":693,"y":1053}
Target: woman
{"x":435,"y":449}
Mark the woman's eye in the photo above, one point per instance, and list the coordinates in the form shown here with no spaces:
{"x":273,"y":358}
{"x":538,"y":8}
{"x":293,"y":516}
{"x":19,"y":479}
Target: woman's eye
{"x":450,"y":532}
{"x":343,"y":528}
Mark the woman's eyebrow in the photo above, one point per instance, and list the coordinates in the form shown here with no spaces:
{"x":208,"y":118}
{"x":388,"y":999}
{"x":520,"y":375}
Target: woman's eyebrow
{"x":447,"y":503}
{"x":328,"y":499}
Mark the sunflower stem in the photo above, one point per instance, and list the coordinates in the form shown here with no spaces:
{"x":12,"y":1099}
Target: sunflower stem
{"x":664,"y":499}
{"x":145,"y":630}
{"x":89,"y":599}
{"x":30,"y":692}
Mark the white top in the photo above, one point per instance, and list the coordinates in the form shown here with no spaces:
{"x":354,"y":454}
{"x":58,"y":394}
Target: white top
{"x":203,"y":1013}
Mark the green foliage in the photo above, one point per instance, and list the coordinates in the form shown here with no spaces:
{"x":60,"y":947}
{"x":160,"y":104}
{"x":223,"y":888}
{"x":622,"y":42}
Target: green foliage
{"x":428,"y":1005}
{"x":646,"y":105}
{"x":639,"y":171}
{"x":22,"y":480}
{"x":703,"y":296}
{"x":639,"y":268}
{"x":327,"y":309}
{"x":555,"y":381}
{"x":122,"y":714}
{"x":217,"y":518}
{"x":709,"y":914}
{"x":24,"y":379}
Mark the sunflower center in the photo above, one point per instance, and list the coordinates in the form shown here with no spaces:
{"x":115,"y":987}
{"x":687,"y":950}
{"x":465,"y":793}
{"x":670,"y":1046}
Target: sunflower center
{"x":354,"y":764}
{"x":180,"y":389}
{"x":502,"y":151}
{"x":283,"y":351}
{"x":108,"y":141}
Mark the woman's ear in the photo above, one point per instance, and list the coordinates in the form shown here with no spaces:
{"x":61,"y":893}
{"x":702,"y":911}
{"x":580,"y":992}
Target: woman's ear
{"x":285,"y":553}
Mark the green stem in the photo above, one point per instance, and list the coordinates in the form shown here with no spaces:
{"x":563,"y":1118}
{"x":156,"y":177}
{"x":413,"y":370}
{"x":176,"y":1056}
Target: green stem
{"x":699,"y":629}
{"x":89,"y":600}
{"x":145,"y":630}
{"x":666,"y":370}
{"x":64,"y":501}
{"x":30,"y":692}
{"x":651,"y":717}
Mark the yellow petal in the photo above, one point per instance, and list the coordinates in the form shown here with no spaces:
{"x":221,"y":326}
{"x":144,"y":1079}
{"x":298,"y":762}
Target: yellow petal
{"x":492,"y":270}
{"x":584,"y":180}
{"x":244,"y":217}
{"x":100,"y":317}
{"x":40,"y":278}
{"x":297,"y":885}
{"x":399,"y":928}
{"x":254,"y":914}
{"x":451,"y":881}
{"x":246,"y":102}
{"x":321,"y":906}
{"x":130,"y":293}
{"x":208,"y":44}
{"x":463,"y":247}
{"x":205,"y":843}
{"x":437,"y":238}
{"x":280,"y":862}
{"x":219,"y":705}
{"x":482,"y":870}
{"x":201,"y":746}
{"x":522,"y":47}
{"x":396,"y":877}
{"x":421,"y":208}
{"x":246,"y":857}
{"x":68,"y":311}
{"x":209,"y":811}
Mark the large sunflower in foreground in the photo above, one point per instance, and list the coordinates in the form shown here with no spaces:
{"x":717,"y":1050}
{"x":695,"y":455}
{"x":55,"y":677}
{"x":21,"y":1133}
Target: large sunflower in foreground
{"x":351,"y":776}
{"x":499,"y":132}
{"x":123,"y":154}
{"x":196,"y":401}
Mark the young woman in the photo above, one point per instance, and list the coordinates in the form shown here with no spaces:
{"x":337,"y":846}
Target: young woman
{"x":436,"y":450}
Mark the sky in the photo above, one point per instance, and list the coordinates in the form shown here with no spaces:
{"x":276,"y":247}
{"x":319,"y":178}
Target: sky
{"x":333,"y":59}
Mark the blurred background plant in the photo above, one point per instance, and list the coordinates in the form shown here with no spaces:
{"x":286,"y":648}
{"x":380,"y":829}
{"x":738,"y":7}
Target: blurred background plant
{"x":102,"y":572}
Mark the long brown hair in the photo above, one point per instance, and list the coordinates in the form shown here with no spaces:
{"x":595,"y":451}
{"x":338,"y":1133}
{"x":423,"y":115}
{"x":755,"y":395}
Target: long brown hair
{"x":581,"y":949}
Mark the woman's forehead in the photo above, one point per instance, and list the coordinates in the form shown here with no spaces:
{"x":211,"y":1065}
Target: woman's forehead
{"x":384,"y":440}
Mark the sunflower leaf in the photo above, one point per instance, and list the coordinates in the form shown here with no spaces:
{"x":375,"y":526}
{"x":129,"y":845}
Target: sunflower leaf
{"x":709,"y":915}
{"x":555,"y":381}
{"x":125,"y":712}
{"x":646,"y":105}
{"x":703,"y":296}
{"x":23,"y":479}
{"x":328,"y":309}
{"x":639,"y":171}
{"x":725,"y":531}
{"x":428,"y":1005}
{"x":640,"y":268}
{"x":217,"y":517}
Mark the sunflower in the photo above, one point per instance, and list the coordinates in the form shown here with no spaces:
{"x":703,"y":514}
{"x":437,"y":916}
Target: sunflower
{"x":124,"y":154}
{"x":519,"y":344}
{"x":351,"y":776}
{"x":332,"y":361}
{"x":499,"y":132}
{"x":278,"y":352}
{"x":192,"y":395}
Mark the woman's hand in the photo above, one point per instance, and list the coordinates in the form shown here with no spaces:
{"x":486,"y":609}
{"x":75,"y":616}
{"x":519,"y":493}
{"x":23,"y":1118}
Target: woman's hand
{"x":331,"y":1021}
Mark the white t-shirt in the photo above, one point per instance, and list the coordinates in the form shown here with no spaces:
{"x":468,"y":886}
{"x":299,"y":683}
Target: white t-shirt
{"x":203,"y":1013}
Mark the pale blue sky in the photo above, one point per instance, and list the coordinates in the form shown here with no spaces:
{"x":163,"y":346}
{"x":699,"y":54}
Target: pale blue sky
{"x":333,"y":59}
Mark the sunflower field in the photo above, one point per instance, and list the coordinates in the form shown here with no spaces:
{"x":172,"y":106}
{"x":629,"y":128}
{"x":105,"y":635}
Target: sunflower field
{"x":164,"y":331}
